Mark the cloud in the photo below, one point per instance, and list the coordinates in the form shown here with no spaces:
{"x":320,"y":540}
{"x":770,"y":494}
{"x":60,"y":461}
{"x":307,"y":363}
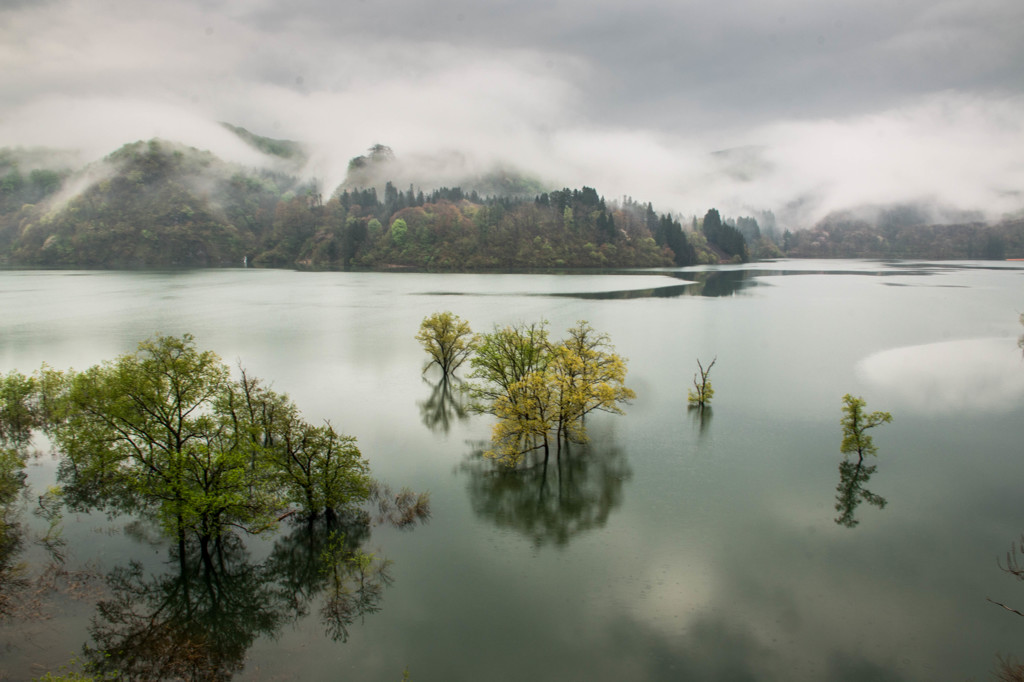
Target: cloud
{"x":828,"y":107}
{"x":99,"y":125}
{"x":951,"y":149}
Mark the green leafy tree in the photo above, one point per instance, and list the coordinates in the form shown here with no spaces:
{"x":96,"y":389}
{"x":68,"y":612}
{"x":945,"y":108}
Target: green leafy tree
{"x":320,"y":470}
{"x":17,"y":411}
{"x":165,"y":431}
{"x":14,"y":435}
{"x":448,"y":340}
{"x":502,"y":359}
{"x":152,"y":425}
{"x":855,"y":423}
{"x":854,"y":476}
{"x":399,"y":231}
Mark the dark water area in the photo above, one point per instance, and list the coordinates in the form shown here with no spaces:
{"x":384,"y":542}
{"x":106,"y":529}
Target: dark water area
{"x":724,"y":545}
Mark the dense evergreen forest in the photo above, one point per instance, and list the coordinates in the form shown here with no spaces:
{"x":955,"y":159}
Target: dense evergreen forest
{"x":160,"y":204}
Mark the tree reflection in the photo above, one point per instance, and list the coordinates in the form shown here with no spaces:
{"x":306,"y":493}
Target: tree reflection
{"x":198,"y":620}
{"x":12,"y":577}
{"x":445,"y":405}
{"x":12,"y":535}
{"x":701,"y":417}
{"x":322,"y":556}
{"x":718,"y":283}
{"x":852,"y":490}
{"x":194,"y":623}
{"x":354,"y":587}
{"x":715,"y":283}
{"x":1020,"y":341}
{"x":551,"y":501}
{"x":296,"y":562}
{"x":1014,"y":567}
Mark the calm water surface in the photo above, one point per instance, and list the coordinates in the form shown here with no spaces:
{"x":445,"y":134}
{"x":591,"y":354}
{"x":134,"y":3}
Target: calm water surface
{"x":671,"y":548}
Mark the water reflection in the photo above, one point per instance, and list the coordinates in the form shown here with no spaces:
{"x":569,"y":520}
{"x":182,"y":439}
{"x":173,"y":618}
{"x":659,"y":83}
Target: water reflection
{"x":12,"y":534}
{"x":852,"y":490}
{"x":670,"y":291}
{"x":12,"y":577}
{"x":1020,"y":341}
{"x":445,"y":404}
{"x":296,"y":561}
{"x":718,"y":283}
{"x":551,"y":501}
{"x":198,"y":620}
{"x":323,"y":556}
{"x":714,"y":283}
{"x":701,"y":417}
{"x":1009,"y":668}
{"x":981,"y":375}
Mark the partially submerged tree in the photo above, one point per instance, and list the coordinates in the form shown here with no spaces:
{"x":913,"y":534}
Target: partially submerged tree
{"x":527,"y":417}
{"x":701,"y":394}
{"x":855,"y":423}
{"x":854,"y":476}
{"x":448,"y":339}
{"x":17,"y":415}
{"x":320,"y":469}
{"x":542,"y":390}
{"x":588,"y":375}
{"x":143,"y":433}
{"x":166,"y":432}
{"x":504,"y":357}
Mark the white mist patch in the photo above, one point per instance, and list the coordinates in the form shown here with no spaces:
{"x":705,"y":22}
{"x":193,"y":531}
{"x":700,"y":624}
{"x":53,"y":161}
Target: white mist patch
{"x":885,"y":111}
{"x":953,"y":376}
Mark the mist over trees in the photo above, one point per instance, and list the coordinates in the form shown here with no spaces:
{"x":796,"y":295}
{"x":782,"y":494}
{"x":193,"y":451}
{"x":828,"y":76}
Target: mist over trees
{"x":897,"y":235}
{"x":160,"y":204}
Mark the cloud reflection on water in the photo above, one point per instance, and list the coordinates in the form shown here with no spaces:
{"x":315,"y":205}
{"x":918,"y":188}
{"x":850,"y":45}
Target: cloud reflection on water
{"x":970,"y":374}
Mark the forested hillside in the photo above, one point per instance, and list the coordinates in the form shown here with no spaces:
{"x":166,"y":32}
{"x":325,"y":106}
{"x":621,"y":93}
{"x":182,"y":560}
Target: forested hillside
{"x":851,"y":238}
{"x":157,"y":204}
{"x":160,"y":204}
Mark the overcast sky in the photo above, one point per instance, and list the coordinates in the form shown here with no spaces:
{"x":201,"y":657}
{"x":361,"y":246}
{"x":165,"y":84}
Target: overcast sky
{"x":830,"y":104}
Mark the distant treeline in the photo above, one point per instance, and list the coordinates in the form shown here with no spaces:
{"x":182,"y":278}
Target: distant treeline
{"x":159,"y":204}
{"x":850,"y":238}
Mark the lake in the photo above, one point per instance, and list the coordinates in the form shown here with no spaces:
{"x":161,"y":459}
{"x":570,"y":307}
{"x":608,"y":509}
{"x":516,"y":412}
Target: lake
{"x":672,"y":547}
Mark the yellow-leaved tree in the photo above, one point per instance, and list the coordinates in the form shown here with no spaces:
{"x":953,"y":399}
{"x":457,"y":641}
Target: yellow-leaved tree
{"x":448,"y":340}
{"x":542,"y":390}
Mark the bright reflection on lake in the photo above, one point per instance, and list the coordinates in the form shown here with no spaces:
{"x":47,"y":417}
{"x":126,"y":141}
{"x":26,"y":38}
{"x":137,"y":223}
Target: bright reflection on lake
{"x":668,"y":549}
{"x":951,"y":376}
